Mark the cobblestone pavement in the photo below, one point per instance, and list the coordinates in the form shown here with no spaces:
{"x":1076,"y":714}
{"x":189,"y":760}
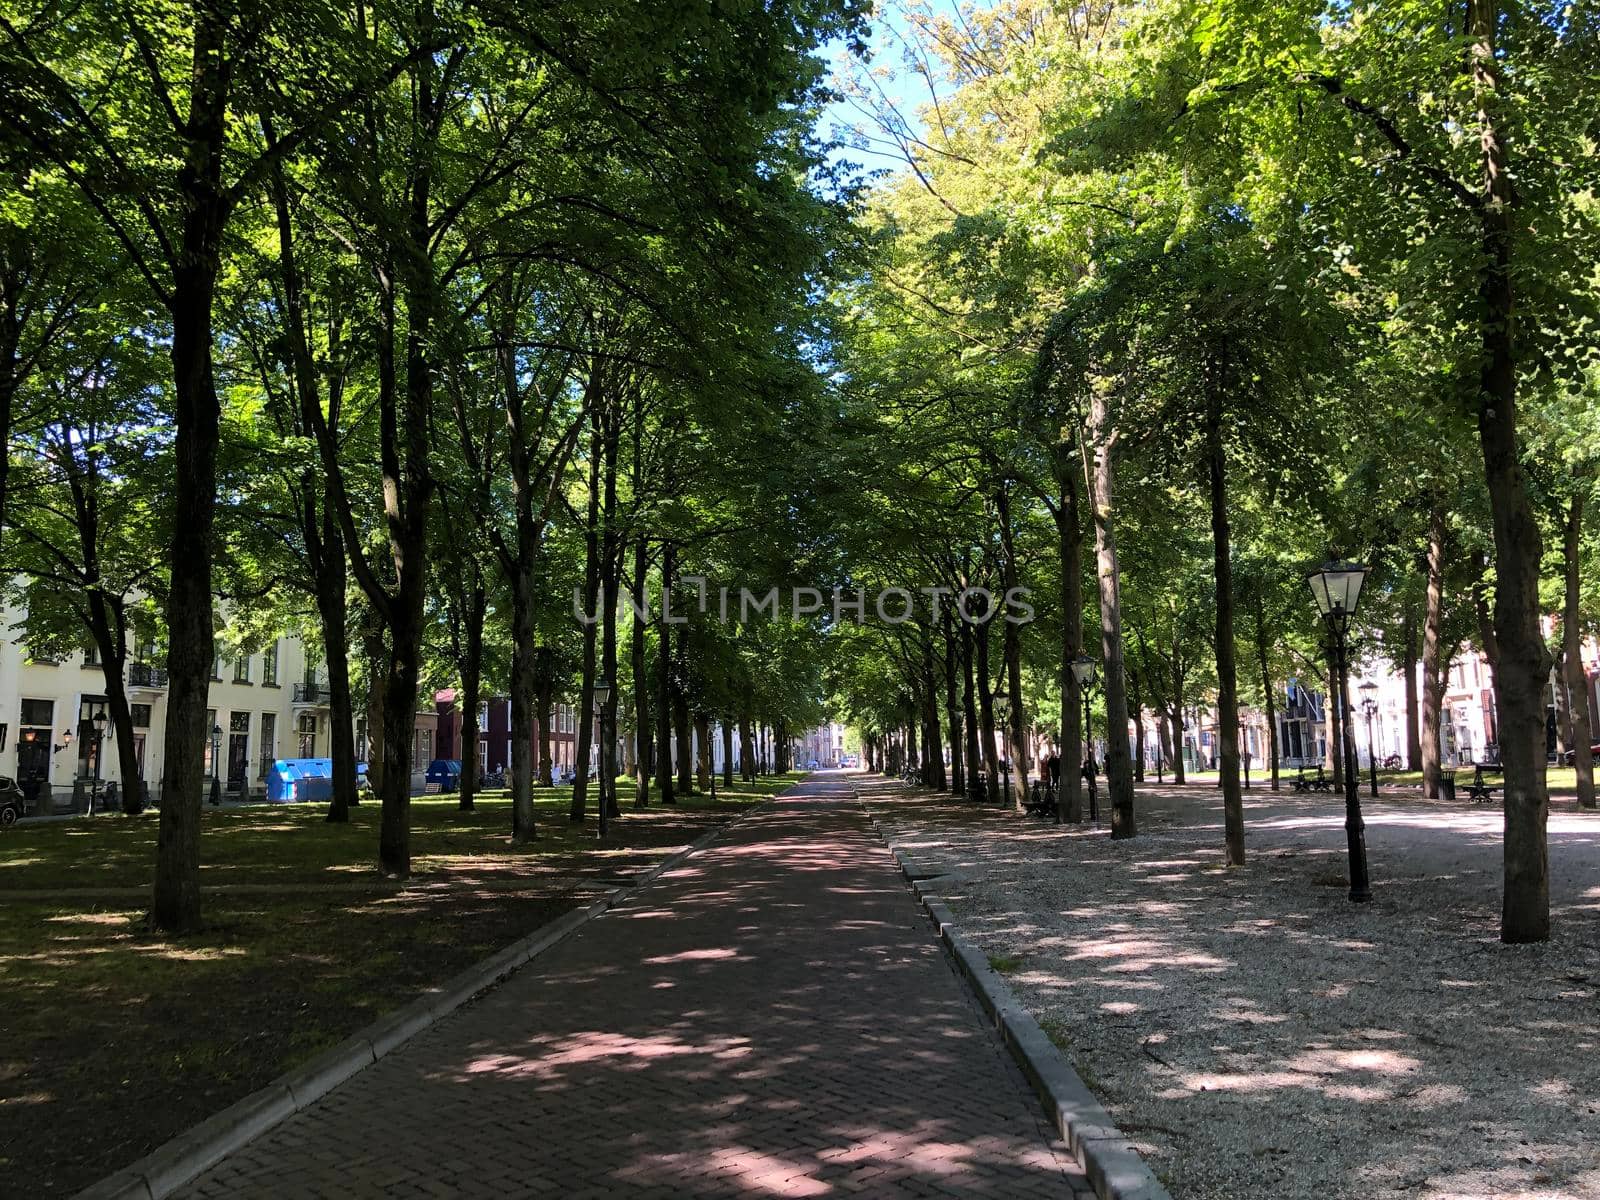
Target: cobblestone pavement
{"x":772,"y":1018}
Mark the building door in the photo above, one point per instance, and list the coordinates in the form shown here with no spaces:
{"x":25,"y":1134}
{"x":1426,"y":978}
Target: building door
{"x":238,"y":750}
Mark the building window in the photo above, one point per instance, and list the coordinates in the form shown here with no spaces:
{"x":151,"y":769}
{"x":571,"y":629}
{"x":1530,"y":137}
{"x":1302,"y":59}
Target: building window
{"x":269,"y":664}
{"x":216,"y":660}
{"x":483,"y":758}
{"x":38,"y":712}
{"x":483,"y":716}
{"x":422,"y":754}
{"x":141,"y":715}
{"x":269,"y":740}
{"x":91,"y":655}
{"x":306,"y":736}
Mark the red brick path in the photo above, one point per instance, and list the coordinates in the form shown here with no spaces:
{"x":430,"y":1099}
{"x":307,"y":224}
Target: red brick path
{"x":773,"y":1018}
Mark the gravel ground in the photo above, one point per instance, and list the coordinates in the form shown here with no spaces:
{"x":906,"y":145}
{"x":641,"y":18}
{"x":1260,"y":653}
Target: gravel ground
{"x":1257,"y":1035}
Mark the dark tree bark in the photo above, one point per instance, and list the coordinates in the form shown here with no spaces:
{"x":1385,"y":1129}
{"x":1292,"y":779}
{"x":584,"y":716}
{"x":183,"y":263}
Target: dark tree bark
{"x":1013,"y":660}
{"x":933,"y":774}
{"x":1577,"y":679}
{"x":1522,"y":671}
{"x":1118,"y":773}
{"x":175,"y":903}
{"x":591,"y":587}
{"x":952,"y":709}
{"x":991,"y":759}
{"x":969,"y":708}
{"x":544,"y":691}
{"x":664,"y":784}
{"x":1222,"y":565}
{"x":1434,"y":658}
{"x":473,"y":606}
{"x":641,"y":676}
{"x":727,"y":751}
{"x":702,"y":741}
{"x":1408,"y":666}
{"x":1267,"y":688}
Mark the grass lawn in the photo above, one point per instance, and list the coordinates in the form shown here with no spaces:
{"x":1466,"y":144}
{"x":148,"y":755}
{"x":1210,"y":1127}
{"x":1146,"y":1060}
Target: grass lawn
{"x":113,"y":1040}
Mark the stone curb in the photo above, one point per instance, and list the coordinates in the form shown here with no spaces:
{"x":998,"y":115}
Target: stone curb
{"x":1109,"y":1159}
{"x":178,"y":1162}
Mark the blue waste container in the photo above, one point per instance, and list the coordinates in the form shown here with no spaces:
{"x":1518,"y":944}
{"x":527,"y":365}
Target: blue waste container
{"x":446,"y":772}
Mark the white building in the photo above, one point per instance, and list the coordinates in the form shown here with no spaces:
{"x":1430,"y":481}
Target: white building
{"x":265,"y":705}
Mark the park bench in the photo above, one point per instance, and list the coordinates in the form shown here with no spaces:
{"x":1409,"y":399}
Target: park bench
{"x":1479,"y":789}
{"x":978,"y":788}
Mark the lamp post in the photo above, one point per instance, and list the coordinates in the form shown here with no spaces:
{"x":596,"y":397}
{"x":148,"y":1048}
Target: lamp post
{"x":1083,"y":672}
{"x":99,"y":723}
{"x":1336,"y":588}
{"x":216,"y":751}
{"x":1002,"y":712}
{"x":1369,"y":709}
{"x":602,"y":693}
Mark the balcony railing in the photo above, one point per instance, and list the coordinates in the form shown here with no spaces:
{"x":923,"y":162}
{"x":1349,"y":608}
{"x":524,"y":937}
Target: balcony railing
{"x":143,"y":675}
{"x":310,"y":693}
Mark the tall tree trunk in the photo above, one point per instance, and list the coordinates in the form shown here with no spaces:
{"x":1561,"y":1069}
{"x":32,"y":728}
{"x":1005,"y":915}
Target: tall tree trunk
{"x":1069,"y":551}
{"x":108,"y":628}
{"x":1013,"y":660}
{"x":544,"y":692}
{"x":1119,"y":776}
{"x":684,"y":737}
{"x":376,"y":654}
{"x":991,"y":759}
{"x":611,"y":558}
{"x":664,"y":784}
{"x":969,"y":708}
{"x":727,"y":751}
{"x":952,"y":709}
{"x":1267,"y":688}
{"x":1522,"y":672}
{"x":702,"y":741}
{"x":747,"y":747}
{"x":1434,"y":662}
{"x":641,"y":676}
{"x":1577,"y":678}
{"x":1227,"y":668}
{"x":175,"y":902}
{"x":1408,"y":667}
{"x":524,"y":703}
{"x":933,"y":772}
{"x":473,"y":612}
{"x":591,"y":588}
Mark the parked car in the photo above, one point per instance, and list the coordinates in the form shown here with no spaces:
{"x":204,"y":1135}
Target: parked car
{"x":1570,"y":758}
{"x":11,"y":802}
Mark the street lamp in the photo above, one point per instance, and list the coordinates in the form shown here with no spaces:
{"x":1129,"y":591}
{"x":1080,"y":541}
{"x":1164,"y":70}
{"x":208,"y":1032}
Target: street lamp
{"x":1002,"y":710}
{"x":1369,"y":708}
{"x":1083,"y":672}
{"x":216,"y":751}
{"x":99,"y":723}
{"x":1336,"y":588}
{"x":602,"y":694}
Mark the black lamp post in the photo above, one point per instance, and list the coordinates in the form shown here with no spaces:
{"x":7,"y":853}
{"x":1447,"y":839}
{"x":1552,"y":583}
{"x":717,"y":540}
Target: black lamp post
{"x":1369,"y":709}
{"x":216,"y":752}
{"x":99,"y":723}
{"x":1002,"y":712}
{"x":602,"y":694}
{"x":1336,"y":587}
{"x":1083,"y":672}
